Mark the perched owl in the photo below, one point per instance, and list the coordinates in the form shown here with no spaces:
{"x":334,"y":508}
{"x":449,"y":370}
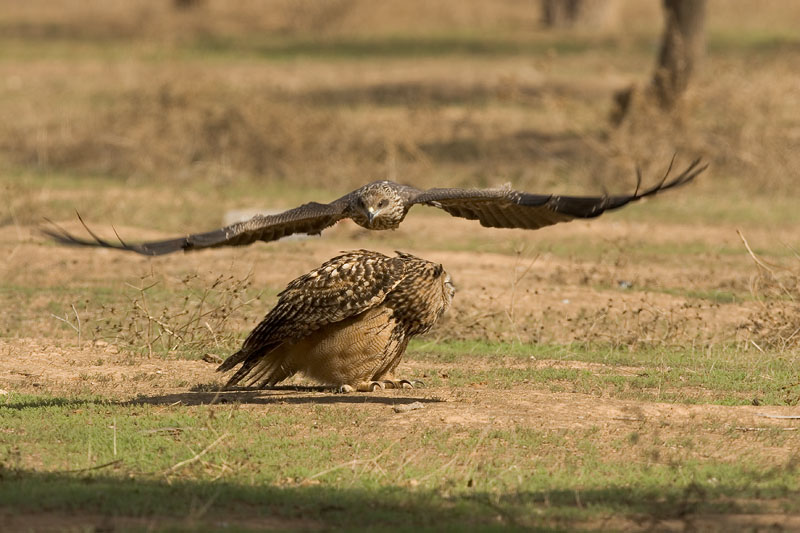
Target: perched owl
{"x":346,"y":323}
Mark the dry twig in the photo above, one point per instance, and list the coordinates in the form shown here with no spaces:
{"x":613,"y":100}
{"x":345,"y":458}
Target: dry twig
{"x":197,"y":456}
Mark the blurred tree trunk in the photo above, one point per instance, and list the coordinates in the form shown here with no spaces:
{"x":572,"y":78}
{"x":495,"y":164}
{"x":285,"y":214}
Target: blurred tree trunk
{"x":682,"y":46}
{"x":187,"y":4}
{"x":579,"y":13}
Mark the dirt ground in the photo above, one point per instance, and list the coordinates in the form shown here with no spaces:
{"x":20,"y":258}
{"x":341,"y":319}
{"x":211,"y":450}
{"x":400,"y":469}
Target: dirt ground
{"x":33,"y":366}
{"x":155,"y":115}
{"x":612,"y":284}
{"x":530,"y":296}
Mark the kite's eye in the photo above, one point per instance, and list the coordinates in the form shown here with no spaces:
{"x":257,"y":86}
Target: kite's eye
{"x":382,"y":203}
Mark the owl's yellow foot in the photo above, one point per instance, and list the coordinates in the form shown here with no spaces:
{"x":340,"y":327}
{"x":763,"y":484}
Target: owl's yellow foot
{"x":398,"y":384}
{"x":364,"y":386}
{"x":372,"y":386}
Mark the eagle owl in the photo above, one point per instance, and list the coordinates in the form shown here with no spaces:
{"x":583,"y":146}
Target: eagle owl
{"x":346,"y":323}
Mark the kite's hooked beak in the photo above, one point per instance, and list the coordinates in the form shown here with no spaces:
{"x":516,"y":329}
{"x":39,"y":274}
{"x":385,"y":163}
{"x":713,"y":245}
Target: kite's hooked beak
{"x":371,"y":214}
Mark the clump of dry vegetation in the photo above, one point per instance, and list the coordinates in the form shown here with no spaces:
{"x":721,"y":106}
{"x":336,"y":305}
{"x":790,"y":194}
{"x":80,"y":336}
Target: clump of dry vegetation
{"x":618,"y":324}
{"x":205,"y":94}
{"x":205,"y":319}
{"x":530,"y":117}
{"x":182,"y":131}
{"x":160,"y":115}
{"x":776,"y":323}
{"x":166,"y":22}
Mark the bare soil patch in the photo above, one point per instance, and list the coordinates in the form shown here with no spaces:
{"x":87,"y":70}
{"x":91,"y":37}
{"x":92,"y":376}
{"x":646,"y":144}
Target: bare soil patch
{"x":35,"y":367}
{"x":623,"y":292}
{"x":151,"y":118}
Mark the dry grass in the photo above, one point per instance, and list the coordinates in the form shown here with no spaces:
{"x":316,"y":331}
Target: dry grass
{"x":776,"y":324}
{"x":203,"y":129}
{"x":157,"y":120}
{"x":197,"y":324}
{"x":154,"y":19}
{"x":179,"y":130}
{"x":534,"y":118}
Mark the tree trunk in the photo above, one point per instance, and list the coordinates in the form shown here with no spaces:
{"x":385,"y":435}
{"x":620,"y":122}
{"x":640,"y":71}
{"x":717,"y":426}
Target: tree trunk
{"x":186,"y":4}
{"x":682,"y":47}
{"x":579,"y":13}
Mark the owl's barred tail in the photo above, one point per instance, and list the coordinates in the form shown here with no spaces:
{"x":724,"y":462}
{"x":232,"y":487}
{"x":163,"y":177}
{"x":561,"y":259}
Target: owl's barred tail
{"x":257,"y":367}
{"x":233,"y":360}
{"x":248,"y":358}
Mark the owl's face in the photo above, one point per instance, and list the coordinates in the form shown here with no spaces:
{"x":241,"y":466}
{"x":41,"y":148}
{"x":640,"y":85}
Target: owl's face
{"x":449,"y":288}
{"x":378,"y":206}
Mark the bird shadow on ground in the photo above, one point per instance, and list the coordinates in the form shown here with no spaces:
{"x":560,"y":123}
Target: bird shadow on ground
{"x":296,"y":395}
{"x":276,"y":395}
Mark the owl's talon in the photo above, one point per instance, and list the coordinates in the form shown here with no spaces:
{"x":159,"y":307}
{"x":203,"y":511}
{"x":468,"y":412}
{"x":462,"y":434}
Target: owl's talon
{"x":369,"y":386}
{"x":372,"y":386}
{"x":397,"y":384}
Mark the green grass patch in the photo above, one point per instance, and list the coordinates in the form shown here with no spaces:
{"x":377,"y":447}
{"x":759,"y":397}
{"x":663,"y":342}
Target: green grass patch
{"x":768,"y":41}
{"x":715,"y":296}
{"x":728,"y":375}
{"x":398,"y":46}
{"x":329,"y":463}
{"x":282,"y":47}
{"x":55,"y":44}
{"x":148,"y":205}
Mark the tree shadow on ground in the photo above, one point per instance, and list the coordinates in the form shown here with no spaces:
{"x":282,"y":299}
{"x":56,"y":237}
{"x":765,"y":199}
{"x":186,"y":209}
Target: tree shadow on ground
{"x":422,"y":93}
{"x":37,"y":402}
{"x":121,"y":500}
{"x":529,"y":146}
{"x":432,"y":93}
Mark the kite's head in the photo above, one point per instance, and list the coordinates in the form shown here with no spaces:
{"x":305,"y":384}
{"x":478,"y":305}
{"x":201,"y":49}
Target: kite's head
{"x":379,"y":206}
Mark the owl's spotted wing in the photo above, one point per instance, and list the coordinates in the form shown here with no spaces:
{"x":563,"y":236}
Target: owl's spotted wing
{"x":343,"y":287}
{"x":309,"y":218}
{"x":507,"y":208}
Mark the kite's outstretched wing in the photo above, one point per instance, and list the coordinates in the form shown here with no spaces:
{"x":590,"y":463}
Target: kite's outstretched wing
{"x":507,"y":208}
{"x":384,"y":204}
{"x":309,"y":218}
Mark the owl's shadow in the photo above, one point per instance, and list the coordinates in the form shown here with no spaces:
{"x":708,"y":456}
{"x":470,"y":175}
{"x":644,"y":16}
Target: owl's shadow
{"x":281,"y":394}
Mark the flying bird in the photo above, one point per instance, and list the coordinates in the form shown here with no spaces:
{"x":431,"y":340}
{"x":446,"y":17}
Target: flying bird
{"x":346,"y":323}
{"x":382,"y":205}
